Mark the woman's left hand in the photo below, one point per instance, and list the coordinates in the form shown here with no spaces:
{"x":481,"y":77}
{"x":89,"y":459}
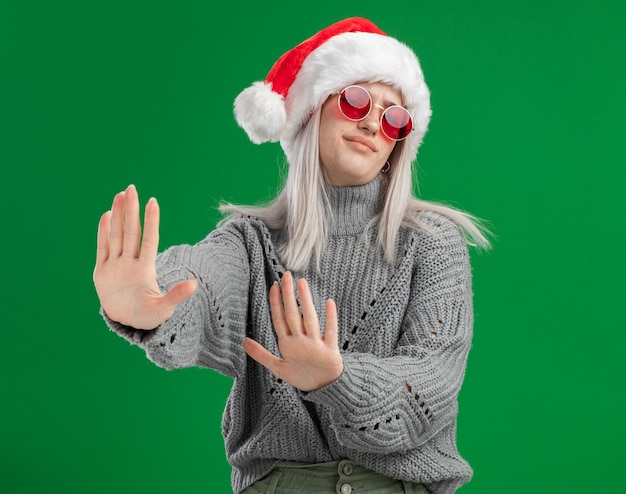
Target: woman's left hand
{"x":309,"y":360}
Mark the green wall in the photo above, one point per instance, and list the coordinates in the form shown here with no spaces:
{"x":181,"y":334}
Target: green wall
{"x":527,"y":132}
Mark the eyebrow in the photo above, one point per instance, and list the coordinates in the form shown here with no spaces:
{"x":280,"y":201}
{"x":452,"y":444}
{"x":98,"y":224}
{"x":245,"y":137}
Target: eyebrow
{"x":388,"y":103}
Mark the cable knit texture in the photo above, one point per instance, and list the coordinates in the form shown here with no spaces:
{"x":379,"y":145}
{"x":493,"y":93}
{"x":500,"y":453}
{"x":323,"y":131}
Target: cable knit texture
{"x":404,"y":333}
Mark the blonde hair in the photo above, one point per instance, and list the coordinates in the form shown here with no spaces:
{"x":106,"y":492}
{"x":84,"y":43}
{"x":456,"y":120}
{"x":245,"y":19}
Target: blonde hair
{"x":302,"y":208}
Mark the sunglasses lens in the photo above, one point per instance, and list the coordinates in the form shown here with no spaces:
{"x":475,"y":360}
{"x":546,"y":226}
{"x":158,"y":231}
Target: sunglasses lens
{"x":396,"y":123}
{"x":355,"y":102}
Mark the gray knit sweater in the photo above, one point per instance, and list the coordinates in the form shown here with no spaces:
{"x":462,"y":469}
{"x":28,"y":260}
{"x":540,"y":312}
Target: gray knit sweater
{"x":404,"y":333}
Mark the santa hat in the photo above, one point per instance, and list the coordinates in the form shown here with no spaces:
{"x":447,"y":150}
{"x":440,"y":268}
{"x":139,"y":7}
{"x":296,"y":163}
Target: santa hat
{"x":350,"y":51}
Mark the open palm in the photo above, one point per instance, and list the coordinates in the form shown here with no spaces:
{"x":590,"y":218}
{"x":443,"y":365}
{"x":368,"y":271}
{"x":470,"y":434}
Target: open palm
{"x":125,"y":273}
{"x":309,"y":360}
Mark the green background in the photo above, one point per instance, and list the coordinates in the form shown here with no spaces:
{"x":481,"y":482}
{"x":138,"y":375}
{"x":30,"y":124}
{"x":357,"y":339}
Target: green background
{"x":527,"y":132}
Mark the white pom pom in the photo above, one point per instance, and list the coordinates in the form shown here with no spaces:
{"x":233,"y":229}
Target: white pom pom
{"x":261,"y":113}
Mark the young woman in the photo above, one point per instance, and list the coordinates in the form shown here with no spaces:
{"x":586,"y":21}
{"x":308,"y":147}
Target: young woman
{"x":343,"y":309}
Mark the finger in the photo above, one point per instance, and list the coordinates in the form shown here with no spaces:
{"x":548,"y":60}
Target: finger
{"x":309,"y":315}
{"x":150,"y":241}
{"x":102,"y":248}
{"x":172,"y":299}
{"x":331,"y":338}
{"x":278,"y":316}
{"x":259,"y":353}
{"x":116,"y":232}
{"x":178,"y":293}
{"x":290,"y":304}
{"x":132,"y":225}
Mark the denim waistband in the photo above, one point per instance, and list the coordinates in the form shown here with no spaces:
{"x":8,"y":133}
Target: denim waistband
{"x":337,"y":477}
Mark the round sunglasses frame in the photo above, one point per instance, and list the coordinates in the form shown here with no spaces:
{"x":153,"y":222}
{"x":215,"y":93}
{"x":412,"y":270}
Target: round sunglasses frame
{"x":371,"y":106}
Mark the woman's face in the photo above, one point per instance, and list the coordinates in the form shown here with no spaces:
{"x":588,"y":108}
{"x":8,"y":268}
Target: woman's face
{"x":353,"y":153}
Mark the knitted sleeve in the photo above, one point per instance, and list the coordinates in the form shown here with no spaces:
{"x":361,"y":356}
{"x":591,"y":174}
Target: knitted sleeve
{"x":398,"y":402}
{"x":208,"y":328}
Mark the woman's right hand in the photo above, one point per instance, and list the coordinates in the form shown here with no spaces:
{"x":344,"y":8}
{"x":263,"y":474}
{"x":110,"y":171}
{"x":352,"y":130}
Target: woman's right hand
{"x":125,"y":272}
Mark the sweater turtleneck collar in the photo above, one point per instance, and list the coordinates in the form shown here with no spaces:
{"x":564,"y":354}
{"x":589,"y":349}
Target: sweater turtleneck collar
{"x":354,"y":207}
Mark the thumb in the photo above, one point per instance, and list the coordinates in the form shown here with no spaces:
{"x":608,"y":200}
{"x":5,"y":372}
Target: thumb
{"x":179,"y":292}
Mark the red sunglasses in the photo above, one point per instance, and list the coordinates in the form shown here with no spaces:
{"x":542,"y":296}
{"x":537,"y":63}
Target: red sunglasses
{"x":355,"y":103}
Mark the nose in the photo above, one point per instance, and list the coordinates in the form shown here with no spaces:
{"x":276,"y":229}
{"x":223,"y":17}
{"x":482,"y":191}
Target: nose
{"x":371,"y":123}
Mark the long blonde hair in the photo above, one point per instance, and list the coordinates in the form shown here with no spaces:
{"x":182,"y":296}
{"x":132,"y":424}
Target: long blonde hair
{"x":302,"y":209}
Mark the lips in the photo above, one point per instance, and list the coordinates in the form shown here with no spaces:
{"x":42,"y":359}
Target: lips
{"x":362,"y":140}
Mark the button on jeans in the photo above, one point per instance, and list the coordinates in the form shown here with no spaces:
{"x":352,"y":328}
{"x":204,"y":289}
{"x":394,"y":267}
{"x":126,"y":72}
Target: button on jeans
{"x":335,"y":477}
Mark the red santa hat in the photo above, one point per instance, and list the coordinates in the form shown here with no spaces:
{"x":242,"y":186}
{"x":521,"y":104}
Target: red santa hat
{"x":350,"y":51}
